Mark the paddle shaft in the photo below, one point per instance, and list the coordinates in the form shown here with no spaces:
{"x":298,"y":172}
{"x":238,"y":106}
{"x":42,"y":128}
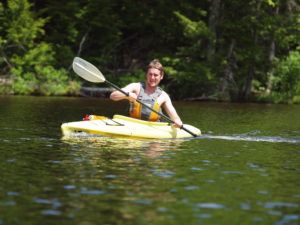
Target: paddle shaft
{"x":148,"y":107}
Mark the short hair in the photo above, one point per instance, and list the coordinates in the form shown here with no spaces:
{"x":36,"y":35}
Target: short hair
{"x":156,"y":65}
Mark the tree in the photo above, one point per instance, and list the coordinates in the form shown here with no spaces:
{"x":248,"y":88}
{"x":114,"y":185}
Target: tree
{"x":205,"y":51}
{"x":287,"y":78}
{"x":26,"y":59}
{"x":189,"y":68}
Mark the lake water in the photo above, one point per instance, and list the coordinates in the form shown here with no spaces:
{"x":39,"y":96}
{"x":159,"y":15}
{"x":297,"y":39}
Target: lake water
{"x":245,"y":169}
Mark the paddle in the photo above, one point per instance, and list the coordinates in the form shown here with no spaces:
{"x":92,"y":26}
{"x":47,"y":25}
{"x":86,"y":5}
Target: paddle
{"x":90,"y":73}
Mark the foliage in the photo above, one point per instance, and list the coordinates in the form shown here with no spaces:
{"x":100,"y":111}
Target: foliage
{"x":212,"y":48}
{"x":287,"y":78}
{"x":138,"y":76}
{"x":28,"y":60}
{"x":188,"y":69}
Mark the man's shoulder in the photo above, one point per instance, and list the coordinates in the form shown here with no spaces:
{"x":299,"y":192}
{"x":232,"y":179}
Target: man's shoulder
{"x":165,"y":96}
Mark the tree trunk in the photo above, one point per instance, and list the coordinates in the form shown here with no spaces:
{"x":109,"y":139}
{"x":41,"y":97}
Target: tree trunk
{"x":272,"y":51}
{"x":228,"y":79}
{"x":212,"y":21}
{"x":252,"y":63}
{"x":270,"y":73}
{"x":248,"y":86}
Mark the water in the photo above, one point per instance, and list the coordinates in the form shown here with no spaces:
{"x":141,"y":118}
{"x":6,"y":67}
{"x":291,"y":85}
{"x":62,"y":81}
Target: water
{"x":244,"y":169}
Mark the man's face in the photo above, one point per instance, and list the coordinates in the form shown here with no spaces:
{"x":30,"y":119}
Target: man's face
{"x":154,"y":77}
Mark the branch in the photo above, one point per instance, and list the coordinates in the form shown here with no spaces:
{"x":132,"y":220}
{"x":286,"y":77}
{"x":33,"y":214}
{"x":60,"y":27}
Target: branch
{"x":83,"y":39}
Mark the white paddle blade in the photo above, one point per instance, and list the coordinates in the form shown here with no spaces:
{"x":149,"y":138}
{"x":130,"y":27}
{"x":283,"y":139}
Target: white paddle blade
{"x":87,"y":71}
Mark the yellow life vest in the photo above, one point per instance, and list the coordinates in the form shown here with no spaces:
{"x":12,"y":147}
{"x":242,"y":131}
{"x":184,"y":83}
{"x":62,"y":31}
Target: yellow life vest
{"x":138,"y":111}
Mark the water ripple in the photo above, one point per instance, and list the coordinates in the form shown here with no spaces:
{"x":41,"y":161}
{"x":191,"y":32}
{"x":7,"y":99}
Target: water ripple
{"x":51,"y":212}
{"x":53,"y":202}
{"x":165,"y":174}
{"x":196,"y":168}
{"x":143,"y":202}
{"x":271,"y":205}
{"x":13,"y":193}
{"x":287,"y":219}
{"x":232,"y":172}
{"x":111,"y":176}
{"x":69,"y":187}
{"x":9,"y":203}
{"x":91,"y":192}
{"x":11,"y":160}
{"x":245,"y":206}
{"x":191,"y":188}
{"x":211,"y":205}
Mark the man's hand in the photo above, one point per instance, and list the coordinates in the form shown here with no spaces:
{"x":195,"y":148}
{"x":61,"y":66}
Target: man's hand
{"x":132,"y":97}
{"x":177,"y":123}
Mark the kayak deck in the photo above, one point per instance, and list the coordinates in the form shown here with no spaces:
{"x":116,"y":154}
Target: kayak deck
{"x":122,"y":126}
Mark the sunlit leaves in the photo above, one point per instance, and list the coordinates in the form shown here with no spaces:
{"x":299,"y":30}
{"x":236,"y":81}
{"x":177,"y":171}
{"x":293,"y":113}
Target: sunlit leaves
{"x":22,"y":26}
{"x":288,"y":76}
{"x":30,"y":60}
{"x":193,"y":29}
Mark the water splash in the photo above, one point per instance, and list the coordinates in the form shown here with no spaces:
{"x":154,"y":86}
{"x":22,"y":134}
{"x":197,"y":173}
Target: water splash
{"x":273,"y":139}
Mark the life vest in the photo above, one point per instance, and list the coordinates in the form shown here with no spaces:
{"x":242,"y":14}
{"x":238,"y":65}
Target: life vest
{"x":138,"y":111}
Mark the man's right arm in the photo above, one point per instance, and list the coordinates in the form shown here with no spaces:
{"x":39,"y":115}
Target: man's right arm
{"x":131,"y":89}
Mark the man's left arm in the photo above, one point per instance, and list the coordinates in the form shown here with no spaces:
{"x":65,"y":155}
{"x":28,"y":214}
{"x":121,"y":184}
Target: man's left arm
{"x":171,"y":111}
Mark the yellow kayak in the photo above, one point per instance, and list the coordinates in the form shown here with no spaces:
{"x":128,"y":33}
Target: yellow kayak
{"x":122,"y":126}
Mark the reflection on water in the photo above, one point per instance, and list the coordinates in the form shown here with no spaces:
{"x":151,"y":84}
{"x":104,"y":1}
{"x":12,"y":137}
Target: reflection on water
{"x":243,"y":170}
{"x":130,"y":171}
{"x":152,"y":147}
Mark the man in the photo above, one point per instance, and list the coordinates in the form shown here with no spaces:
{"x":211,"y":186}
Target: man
{"x":149,"y":93}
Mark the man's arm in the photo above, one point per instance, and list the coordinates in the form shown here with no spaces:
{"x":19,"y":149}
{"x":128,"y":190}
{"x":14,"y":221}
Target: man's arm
{"x":169,"y":108}
{"x":132,"y":89}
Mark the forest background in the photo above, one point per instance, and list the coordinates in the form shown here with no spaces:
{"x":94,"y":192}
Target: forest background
{"x":228,"y":50}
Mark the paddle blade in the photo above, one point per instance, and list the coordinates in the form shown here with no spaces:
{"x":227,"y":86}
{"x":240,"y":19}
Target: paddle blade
{"x":87,"y":71}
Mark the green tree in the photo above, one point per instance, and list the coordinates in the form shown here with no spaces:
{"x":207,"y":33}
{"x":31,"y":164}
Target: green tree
{"x":26,"y":59}
{"x":189,"y":68}
{"x":206,"y":52}
{"x":235,"y":58}
{"x":287,"y":79}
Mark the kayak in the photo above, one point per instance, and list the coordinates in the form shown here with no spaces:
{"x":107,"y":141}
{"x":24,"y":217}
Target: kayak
{"x":123,"y":126}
